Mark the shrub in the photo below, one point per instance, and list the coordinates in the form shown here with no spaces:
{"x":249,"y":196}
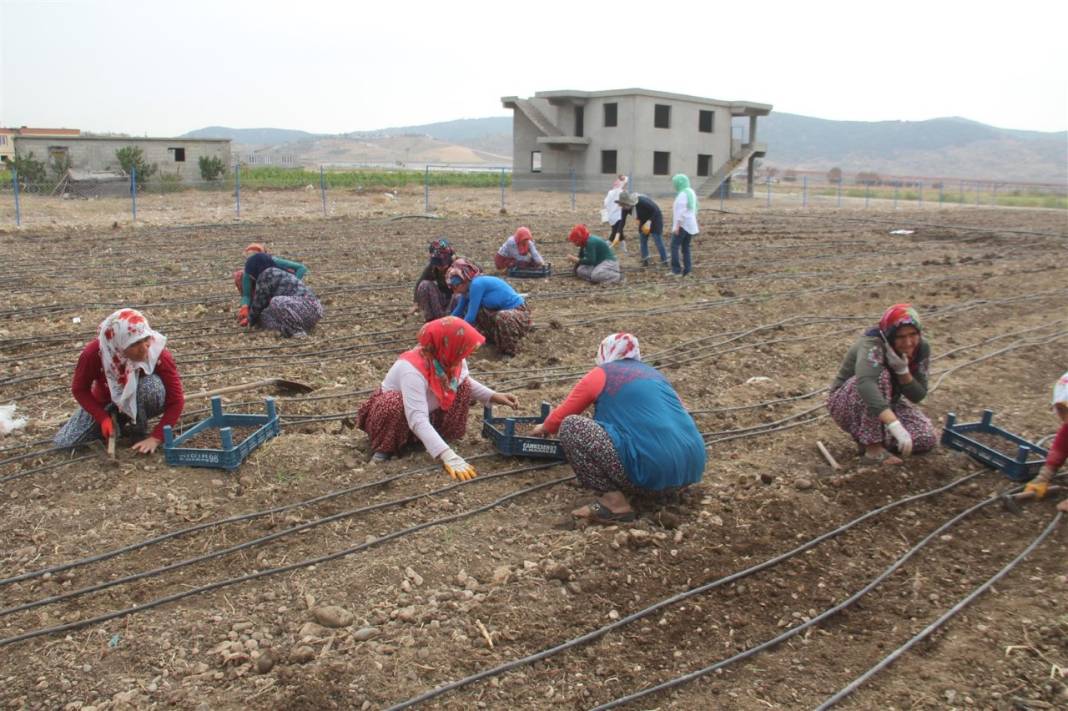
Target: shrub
{"x":131,"y":158}
{"x":30,"y":170}
{"x":211,"y":167}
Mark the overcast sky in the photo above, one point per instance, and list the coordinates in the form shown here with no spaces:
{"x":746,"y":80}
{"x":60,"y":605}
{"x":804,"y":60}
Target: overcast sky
{"x":164,"y":68}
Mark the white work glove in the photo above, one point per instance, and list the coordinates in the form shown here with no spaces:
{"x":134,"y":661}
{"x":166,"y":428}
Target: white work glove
{"x":456,"y":467}
{"x":900,"y":434}
{"x":898,"y":363}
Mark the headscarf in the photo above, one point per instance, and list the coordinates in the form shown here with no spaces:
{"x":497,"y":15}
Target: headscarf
{"x":444,"y":343}
{"x":118,"y":332}
{"x":682,"y":185}
{"x":618,"y":346}
{"x":579,"y":235}
{"x":897,"y":316}
{"x":522,"y":240}
{"x":1060,"y":391}
{"x":257,"y":263}
{"x":256,"y":247}
{"x":463,"y":270}
{"x":620,"y":183}
{"x":441,"y":253}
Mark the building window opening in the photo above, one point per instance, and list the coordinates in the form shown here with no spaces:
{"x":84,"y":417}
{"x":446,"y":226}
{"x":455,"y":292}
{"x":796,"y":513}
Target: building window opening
{"x":704,"y":165}
{"x":706,"y":121}
{"x":611,"y":115}
{"x":662,"y":116}
{"x":661,"y":162}
{"x":535,"y":161}
{"x":608,"y":162}
{"x":179,"y":154}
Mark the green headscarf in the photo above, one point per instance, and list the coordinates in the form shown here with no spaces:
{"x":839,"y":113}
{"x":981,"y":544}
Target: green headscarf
{"x":682,"y":184}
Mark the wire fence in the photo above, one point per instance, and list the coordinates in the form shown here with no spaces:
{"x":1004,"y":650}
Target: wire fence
{"x":253,"y":192}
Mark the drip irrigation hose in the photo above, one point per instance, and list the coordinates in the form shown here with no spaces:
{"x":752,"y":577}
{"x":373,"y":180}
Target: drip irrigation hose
{"x":793,"y":631}
{"x":950,"y":613}
{"x":115,"y":614}
{"x":672,"y":600}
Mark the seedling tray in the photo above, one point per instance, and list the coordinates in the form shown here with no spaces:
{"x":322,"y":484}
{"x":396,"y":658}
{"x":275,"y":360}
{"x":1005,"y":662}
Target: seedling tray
{"x":501,"y":431}
{"x":962,"y":437}
{"x":231,"y":454}
{"x":529,"y":273}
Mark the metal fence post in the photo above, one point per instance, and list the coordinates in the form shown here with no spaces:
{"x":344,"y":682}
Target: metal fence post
{"x":133,"y":191}
{"x":961,"y":201}
{"x":15,"y":185}
{"x":941,"y":193}
{"x":994,"y":195}
{"x":572,"y":172}
{"x":920,"y":198}
{"x":804,"y":191}
{"x":839,"y":192}
{"x":237,"y":190}
{"x":867,"y":194}
{"x":322,"y":188}
{"x":977,"y":186}
{"x":502,"y":190}
{"x":895,"y":194}
{"x":426,"y":190}
{"x":721,"y":191}
{"x":767,"y":183}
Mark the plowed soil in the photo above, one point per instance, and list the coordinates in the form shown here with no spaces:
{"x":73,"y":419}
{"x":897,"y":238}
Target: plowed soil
{"x":749,"y":339}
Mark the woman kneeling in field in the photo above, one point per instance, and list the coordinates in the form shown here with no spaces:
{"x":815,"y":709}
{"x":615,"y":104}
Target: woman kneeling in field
{"x":641,"y":442}
{"x":491,"y":304}
{"x":426,"y":395}
{"x":128,"y":371}
{"x":281,"y":301}
{"x":518,"y":250}
{"x":247,"y":285}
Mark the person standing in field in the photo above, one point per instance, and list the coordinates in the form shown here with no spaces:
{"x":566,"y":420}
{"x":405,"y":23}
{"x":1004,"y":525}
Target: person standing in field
{"x":650,"y":223}
{"x":683,"y":224}
{"x":612,"y":212}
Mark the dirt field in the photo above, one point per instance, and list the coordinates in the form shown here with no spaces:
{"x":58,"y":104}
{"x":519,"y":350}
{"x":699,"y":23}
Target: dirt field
{"x":437,"y":580}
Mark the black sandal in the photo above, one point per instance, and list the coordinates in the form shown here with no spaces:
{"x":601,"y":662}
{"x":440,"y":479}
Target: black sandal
{"x":599,"y":513}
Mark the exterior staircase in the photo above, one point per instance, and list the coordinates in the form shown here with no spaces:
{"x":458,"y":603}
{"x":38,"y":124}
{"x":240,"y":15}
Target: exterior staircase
{"x":536,"y":117}
{"x":739,"y":155}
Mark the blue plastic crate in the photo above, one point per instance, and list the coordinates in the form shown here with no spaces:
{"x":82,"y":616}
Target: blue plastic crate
{"x":1029,"y":456}
{"x":501,"y":431}
{"x":232,"y":454}
{"x":535,"y":273}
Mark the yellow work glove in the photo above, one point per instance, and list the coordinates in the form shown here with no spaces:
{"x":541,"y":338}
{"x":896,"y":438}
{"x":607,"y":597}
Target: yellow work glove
{"x":646,"y":229}
{"x":1038,"y":488}
{"x":456,"y":467}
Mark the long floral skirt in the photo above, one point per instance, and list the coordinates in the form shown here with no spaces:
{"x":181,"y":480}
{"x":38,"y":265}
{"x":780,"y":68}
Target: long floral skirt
{"x":505,"y":329}
{"x":849,"y":410}
{"x":382,"y":418}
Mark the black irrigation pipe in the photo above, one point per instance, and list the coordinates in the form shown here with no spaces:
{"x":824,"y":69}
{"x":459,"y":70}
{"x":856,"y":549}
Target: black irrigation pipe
{"x":794,"y":631}
{"x":926,"y":632}
{"x":40,"y":632}
{"x":221,"y":552}
{"x":46,"y":467}
{"x":674,"y":599}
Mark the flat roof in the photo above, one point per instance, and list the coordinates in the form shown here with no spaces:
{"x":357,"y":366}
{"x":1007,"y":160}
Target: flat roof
{"x":748,"y":107}
{"x":129,"y":139}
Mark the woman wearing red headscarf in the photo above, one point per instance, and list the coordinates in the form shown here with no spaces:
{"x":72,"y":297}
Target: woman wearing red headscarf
{"x":596,"y":262}
{"x":882,"y":377}
{"x":426,"y":395}
{"x":518,"y":251}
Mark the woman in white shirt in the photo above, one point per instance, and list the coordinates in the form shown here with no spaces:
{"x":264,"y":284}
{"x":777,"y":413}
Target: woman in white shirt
{"x":613,"y":213}
{"x":426,"y":395}
{"x":683,"y":224}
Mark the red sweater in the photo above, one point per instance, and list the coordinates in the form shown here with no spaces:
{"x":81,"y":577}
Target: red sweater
{"x":1058,"y":451}
{"x":90,"y":387}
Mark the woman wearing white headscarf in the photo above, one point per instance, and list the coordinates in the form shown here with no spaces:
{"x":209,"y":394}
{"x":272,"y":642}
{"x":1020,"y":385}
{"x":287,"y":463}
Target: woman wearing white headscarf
{"x":640,"y":442}
{"x":1058,"y":451}
{"x":613,"y":212}
{"x":126,"y":370}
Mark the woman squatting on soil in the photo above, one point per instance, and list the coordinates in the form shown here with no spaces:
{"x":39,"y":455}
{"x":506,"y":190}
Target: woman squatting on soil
{"x":432,"y":293}
{"x":490,"y":304}
{"x":126,"y":370}
{"x":1058,"y":451}
{"x":650,"y":223}
{"x":518,"y":250}
{"x":596,"y":262}
{"x":641,"y":443}
{"x":247,"y":285}
{"x":426,"y":395}
{"x":280,"y":300}
{"x":887,"y":364}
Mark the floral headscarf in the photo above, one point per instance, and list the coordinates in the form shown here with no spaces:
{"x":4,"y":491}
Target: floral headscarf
{"x":682,"y":185}
{"x":618,"y":346}
{"x":118,"y":332}
{"x":522,"y":240}
{"x":461,"y":270}
{"x":1060,"y":391}
{"x":444,"y":344}
{"x":620,"y":182}
{"x":897,"y":316}
{"x":579,"y":236}
{"x":441,"y":252}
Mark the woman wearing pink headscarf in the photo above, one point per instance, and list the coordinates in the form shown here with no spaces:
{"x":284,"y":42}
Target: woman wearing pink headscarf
{"x":518,"y":251}
{"x":126,"y":370}
{"x":640,"y":443}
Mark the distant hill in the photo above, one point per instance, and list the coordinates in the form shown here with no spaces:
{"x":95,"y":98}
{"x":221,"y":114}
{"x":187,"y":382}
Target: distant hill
{"x":943,"y":147}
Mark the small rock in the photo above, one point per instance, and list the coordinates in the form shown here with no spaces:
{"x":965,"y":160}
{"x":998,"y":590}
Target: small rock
{"x":312,"y":629}
{"x":405,"y":614}
{"x":803,"y":484}
{"x":501,"y":574}
{"x":415,"y":577}
{"x":332,"y":616}
{"x":265,"y":663}
{"x":766,"y":478}
{"x":558,"y":571}
{"x":365,"y":633}
{"x":241,"y":626}
{"x":302,"y":654}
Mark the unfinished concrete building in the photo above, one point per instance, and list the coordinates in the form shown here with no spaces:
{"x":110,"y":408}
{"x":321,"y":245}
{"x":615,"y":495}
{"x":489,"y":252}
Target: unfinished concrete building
{"x":584,"y":138}
{"x":172,"y":156}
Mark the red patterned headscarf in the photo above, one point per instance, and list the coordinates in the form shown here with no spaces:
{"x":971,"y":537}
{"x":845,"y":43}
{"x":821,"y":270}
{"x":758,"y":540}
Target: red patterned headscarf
{"x":462,"y":270}
{"x":897,"y":316}
{"x":118,"y":332}
{"x":579,"y":236}
{"x":522,"y":240}
{"x":444,"y":344}
{"x":617,"y":347}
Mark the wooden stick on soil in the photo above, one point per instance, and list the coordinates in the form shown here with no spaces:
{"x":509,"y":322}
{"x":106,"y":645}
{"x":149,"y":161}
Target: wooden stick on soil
{"x":112,"y":438}
{"x":827,"y":456}
{"x":485,"y":633}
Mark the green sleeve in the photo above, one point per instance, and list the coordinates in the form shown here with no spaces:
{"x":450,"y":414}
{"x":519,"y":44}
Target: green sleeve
{"x":586,"y":255}
{"x":246,"y":289}
{"x":299,"y":270}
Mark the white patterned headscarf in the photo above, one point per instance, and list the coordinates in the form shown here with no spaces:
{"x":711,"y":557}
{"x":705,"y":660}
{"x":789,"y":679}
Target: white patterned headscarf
{"x":118,"y":332}
{"x":618,"y":346}
{"x":1060,"y":391}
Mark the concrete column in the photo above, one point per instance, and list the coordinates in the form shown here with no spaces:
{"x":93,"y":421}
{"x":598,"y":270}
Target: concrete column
{"x":749,"y":176}
{"x":752,"y":130}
